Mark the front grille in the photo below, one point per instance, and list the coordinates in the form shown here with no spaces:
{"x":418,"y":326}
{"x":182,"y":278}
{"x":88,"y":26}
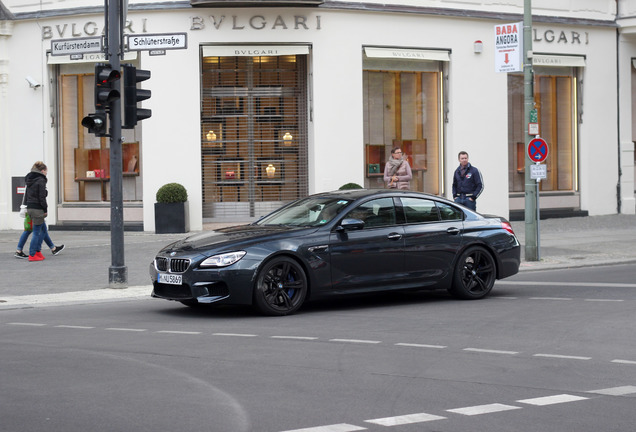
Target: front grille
{"x":173,"y":265}
{"x":175,"y":292}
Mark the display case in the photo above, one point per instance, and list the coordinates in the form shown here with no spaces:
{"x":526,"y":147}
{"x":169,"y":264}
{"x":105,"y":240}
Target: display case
{"x":375,"y":160}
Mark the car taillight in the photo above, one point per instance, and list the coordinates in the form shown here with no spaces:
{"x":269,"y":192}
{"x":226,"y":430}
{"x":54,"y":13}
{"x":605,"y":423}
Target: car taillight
{"x":507,"y":227}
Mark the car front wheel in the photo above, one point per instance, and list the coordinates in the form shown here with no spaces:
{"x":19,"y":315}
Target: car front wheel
{"x":281,"y":287}
{"x":474,"y":275}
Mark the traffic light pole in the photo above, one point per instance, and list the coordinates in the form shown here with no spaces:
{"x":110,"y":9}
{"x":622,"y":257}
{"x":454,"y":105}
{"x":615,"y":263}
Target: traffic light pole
{"x":117,"y":272}
{"x":531,"y":186}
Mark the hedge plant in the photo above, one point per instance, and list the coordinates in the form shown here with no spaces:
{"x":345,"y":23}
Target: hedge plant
{"x":172,"y":193}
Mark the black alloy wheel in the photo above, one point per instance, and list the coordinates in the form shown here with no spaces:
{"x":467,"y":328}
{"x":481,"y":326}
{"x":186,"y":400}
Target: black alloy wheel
{"x":281,"y":287}
{"x":475,"y":274}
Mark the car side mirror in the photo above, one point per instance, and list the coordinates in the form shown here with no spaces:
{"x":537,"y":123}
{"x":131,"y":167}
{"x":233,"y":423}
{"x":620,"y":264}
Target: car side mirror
{"x":350,"y":225}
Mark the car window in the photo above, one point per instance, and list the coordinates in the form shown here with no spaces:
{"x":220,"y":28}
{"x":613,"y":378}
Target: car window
{"x":311,"y":211}
{"x":375,"y":213}
{"x":448,"y":212}
{"x":418,"y":210}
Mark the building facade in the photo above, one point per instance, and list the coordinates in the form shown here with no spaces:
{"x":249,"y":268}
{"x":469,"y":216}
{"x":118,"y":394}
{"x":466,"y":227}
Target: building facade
{"x":260,"y":105}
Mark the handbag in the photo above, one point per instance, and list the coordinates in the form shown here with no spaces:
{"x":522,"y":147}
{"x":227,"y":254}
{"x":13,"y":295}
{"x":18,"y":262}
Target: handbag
{"x":23,"y":207}
{"x":28,"y":223}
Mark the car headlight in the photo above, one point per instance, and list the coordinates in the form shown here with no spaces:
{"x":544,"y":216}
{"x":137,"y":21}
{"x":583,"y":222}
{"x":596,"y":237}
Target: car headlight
{"x":223,"y":260}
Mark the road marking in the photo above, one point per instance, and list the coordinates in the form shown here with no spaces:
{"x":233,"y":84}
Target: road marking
{"x":405,"y":419}
{"x":359,"y":341}
{"x":550,"y":298}
{"x":483,"y":409}
{"x":126,"y":329}
{"x":294,"y":337}
{"x":603,"y":300}
{"x":552,"y":400}
{"x":342,"y":427}
{"x":179,"y":332}
{"x":616,"y":391}
{"x":74,"y":327}
{"x":490,"y":351}
{"x":414,"y":345}
{"x":574,"y":284}
{"x":624,"y":361}
{"x":26,"y":324}
{"x":235,"y":334}
{"x":559,"y":356}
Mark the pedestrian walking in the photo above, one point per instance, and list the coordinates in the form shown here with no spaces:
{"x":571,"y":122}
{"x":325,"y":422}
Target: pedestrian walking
{"x":397,"y":171}
{"x":28,"y":229}
{"x":37,"y":209}
{"x":468,"y":183}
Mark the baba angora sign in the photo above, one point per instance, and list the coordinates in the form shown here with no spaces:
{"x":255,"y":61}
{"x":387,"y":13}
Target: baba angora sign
{"x":509,"y":47}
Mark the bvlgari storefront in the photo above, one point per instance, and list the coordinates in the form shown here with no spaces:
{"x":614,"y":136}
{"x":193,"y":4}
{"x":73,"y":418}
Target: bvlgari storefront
{"x":266,"y":105}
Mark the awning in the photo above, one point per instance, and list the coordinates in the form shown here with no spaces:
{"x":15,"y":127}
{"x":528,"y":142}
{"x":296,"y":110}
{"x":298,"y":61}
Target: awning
{"x":253,"y":50}
{"x":558,"y":60}
{"x":87,"y":58}
{"x":407,"y":54}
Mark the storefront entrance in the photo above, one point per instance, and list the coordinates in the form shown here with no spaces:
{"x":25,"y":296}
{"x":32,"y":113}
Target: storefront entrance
{"x":253,"y":133}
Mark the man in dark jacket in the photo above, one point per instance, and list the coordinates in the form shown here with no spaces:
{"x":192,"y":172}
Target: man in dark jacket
{"x":37,"y":207}
{"x":467,"y":183}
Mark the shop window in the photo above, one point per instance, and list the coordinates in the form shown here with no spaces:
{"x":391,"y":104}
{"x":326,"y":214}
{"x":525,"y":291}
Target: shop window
{"x":85,"y":157}
{"x":402,"y":108}
{"x":554,"y":96}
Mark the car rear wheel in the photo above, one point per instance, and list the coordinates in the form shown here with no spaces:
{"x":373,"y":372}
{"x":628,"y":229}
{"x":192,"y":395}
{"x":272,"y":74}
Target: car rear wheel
{"x":474,"y":275}
{"x":281,"y":287}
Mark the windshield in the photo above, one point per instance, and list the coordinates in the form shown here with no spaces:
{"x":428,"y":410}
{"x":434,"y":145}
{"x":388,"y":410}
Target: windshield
{"x":311,"y":211}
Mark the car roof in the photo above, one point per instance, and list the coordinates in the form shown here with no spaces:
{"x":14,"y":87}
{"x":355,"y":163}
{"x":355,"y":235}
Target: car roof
{"x":355,"y":194}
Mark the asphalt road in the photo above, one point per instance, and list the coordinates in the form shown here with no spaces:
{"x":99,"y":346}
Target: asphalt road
{"x":549,"y":351}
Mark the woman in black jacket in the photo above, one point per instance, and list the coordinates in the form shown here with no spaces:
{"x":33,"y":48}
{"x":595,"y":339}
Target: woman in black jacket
{"x":37,"y":207}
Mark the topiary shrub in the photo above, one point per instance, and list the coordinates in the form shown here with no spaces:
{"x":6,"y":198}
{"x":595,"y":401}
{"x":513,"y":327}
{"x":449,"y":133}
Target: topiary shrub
{"x":172,"y":193}
{"x":350,"y":186}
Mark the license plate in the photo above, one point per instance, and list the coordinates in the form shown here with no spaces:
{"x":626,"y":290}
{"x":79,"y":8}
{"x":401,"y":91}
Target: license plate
{"x":172,"y":279}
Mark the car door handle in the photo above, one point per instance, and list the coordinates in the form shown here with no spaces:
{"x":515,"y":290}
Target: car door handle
{"x":453,"y":231}
{"x":394,"y":236}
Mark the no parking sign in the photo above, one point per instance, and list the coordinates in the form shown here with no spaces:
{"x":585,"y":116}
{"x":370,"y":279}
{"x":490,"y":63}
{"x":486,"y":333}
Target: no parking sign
{"x":537,"y":150}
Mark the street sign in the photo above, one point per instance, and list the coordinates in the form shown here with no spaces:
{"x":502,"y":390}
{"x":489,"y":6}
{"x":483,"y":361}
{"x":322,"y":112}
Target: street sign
{"x":148,"y":42}
{"x":509,"y":47}
{"x":537,"y":150}
{"x":60,"y":47}
{"x":538,"y":171}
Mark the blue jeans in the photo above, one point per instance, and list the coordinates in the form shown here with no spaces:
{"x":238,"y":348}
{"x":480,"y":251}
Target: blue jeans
{"x":25,"y":236}
{"x":39,"y":234}
{"x":467,"y":202}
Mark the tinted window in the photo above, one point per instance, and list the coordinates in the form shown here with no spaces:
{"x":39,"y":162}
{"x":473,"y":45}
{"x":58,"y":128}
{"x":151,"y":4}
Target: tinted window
{"x":448,"y":212}
{"x":374,"y":213}
{"x":417,"y":210}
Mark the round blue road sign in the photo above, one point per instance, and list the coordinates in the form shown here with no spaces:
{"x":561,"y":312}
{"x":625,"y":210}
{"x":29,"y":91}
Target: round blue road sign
{"x":537,"y":150}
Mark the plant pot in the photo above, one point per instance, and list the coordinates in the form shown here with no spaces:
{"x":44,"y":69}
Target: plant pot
{"x":171,"y":218}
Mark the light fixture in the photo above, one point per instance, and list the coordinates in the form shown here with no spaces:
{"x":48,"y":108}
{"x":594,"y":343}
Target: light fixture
{"x":287,"y":138}
{"x":270,"y":170}
{"x":211,"y":136}
{"x":478,"y":47}
{"x":32,"y":82}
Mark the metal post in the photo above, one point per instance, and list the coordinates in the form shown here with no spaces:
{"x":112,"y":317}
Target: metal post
{"x":117,"y":272}
{"x":531,"y":187}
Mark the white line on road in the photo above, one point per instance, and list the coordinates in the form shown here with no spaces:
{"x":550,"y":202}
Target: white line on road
{"x":74,"y":327}
{"x":483,"y":409}
{"x":342,"y":427}
{"x":126,"y":329}
{"x":414,"y":345}
{"x":26,"y":324}
{"x":552,"y":400}
{"x":294,"y":337}
{"x":550,"y":298}
{"x":234,"y":334}
{"x":405,"y":419}
{"x":359,"y":341}
{"x":491,"y":351}
{"x":603,"y":300}
{"x":616,"y":391}
{"x":624,"y":361}
{"x":179,"y":332}
{"x":559,"y":356}
{"x":574,"y":284}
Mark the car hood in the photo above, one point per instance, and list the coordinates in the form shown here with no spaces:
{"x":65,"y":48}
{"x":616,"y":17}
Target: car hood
{"x":238,"y":236}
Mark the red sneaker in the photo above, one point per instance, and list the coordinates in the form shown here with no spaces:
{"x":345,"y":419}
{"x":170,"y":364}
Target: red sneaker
{"x":36,"y":257}
{"x":39,"y":255}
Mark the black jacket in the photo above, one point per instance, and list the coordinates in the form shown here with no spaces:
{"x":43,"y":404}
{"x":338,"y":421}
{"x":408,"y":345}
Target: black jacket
{"x":36,"y":191}
{"x":470,"y":184}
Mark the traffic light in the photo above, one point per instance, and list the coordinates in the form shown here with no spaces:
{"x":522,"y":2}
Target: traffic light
{"x":96,"y":123}
{"x":106,"y":90}
{"x":132,"y":95}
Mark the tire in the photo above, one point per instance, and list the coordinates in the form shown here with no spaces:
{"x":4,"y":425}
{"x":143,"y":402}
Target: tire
{"x":281,"y":287}
{"x":474,"y":275}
